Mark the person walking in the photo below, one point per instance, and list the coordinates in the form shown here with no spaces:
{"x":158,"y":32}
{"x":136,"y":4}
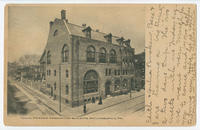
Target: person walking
{"x":100,"y":100}
{"x":84,"y":108}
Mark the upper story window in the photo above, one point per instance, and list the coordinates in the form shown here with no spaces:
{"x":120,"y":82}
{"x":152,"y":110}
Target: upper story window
{"x":55,"y":33}
{"x":67,"y":74}
{"x":113,"y":56}
{"x":48,"y":57}
{"x":102,"y":55}
{"x":65,"y":53}
{"x":90,"y":54}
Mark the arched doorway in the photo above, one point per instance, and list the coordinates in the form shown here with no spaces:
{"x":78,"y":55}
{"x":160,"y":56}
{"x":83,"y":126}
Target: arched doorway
{"x":90,"y":82}
{"x":107,"y":87}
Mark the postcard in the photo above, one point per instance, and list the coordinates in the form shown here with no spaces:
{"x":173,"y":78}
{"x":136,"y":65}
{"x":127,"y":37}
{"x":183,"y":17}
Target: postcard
{"x":100,"y":65}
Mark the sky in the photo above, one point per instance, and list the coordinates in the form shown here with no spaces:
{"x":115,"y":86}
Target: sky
{"x":28,"y":26}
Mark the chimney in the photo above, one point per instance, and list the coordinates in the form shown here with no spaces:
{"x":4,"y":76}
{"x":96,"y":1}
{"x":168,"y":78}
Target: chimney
{"x":50,"y":23}
{"x":63,"y":14}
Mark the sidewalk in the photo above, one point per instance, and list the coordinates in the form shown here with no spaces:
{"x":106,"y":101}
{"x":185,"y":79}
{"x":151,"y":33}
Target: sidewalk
{"x":68,"y":111}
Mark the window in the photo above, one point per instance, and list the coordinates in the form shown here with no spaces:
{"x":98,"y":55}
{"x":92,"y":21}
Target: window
{"x":117,"y":84}
{"x":102,"y":55}
{"x":88,"y":34}
{"x":90,"y":54}
{"x":118,"y":72}
{"x":49,"y":72}
{"x":115,"y":72}
{"x":55,"y":33}
{"x":54,"y":72}
{"x":106,"y":71}
{"x":126,"y":72}
{"x":55,"y":86}
{"x":109,"y":71}
{"x":65,"y":53}
{"x":90,"y":82}
{"x":125,"y":83}
{"x":48,"y":57}
{"x":67,"y":74}
{"x":66,"y":89}
{"x":113,"y":56}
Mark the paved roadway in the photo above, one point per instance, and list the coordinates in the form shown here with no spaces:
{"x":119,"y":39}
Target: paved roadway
{"x":129,"y":107}
{"x":36,"y":99}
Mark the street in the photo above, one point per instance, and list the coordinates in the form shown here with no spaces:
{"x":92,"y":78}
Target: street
{"x":121,"y":105}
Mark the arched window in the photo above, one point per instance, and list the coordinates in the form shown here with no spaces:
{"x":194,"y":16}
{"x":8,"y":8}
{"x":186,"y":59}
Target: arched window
{"x":125,"y":83}
{"x":90,"y":54}
{"x":113,"y":56}
{"x":48,"y":57}
{"x":90,"y":82}
{"x":117,"y":84}
{"x":65,"y":53}
{"x":102,"y":55}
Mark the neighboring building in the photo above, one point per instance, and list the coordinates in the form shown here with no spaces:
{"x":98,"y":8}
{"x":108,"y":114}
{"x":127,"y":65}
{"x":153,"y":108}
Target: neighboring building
{"x":81,"y":64}
{"x":140,"y":71}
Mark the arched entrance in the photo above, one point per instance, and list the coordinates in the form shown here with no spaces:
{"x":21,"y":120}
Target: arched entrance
{"x":107,"y":87}
{"x":90,"y":82}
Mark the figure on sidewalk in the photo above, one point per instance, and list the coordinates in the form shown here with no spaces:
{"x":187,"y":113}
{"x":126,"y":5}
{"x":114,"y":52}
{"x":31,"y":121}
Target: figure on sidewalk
{"x":93,"y":100}
{"x":100,"y":100}
{"x":84,"y":107}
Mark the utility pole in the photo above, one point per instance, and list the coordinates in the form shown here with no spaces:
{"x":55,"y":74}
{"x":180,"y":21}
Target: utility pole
{"x":59,"y":87}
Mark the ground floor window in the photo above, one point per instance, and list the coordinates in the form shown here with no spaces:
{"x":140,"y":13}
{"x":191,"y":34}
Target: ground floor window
{"x":117,"y":85}
{"x":125,"y":83}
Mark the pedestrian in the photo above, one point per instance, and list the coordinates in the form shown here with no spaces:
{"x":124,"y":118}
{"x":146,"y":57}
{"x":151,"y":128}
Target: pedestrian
{"x":93,"y":100}
{"x":84,"y":108}
{"x":100,"y":100}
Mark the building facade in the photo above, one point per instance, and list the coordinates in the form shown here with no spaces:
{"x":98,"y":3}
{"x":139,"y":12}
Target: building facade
{"x":139,"y":71}
{"x":80,"y":64}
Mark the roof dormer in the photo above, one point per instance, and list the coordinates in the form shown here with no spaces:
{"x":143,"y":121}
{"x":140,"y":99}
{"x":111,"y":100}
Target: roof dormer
{"x":87,"y":31}
{"x":127,"y":43}
{"x":120,"y":41}
{"x":108,"y":38}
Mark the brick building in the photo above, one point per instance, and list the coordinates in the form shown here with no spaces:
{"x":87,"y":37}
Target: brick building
{"x":80,"y":64}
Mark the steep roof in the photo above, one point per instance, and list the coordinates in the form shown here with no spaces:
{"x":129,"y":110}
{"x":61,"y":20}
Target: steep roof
{"x":96,"y":35}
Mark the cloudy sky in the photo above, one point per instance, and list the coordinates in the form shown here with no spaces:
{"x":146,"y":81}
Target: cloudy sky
{"x":28,"y":26}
